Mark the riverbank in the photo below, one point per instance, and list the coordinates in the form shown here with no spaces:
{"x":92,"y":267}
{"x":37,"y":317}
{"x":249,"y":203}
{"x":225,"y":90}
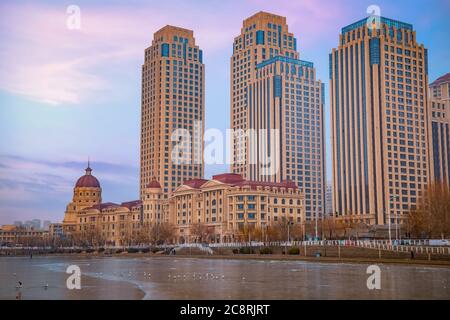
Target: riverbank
{"x":274,"y":257}
{"x":435,"y":263}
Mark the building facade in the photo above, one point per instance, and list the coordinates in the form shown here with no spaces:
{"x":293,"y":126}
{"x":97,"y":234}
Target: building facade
{"x":222,"y":207}
{"x":173,"y":86}
{"x":55,"y":230}
{"x":227,"y":204}
{"x":14,"y":235}
{"x":379,"y":121}
{"x":277,"y":106}
{"x":86,"y":193}
{"x":439,"y":115}
{"x":329,"y":200}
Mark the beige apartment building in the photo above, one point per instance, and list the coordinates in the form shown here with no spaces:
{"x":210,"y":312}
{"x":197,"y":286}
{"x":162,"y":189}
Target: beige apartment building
{"x":379,"y":121}
{"x":173,"y":99}
{"x":439,"y":115}
{"x":278,"y":96}
{"x":228,"y":203}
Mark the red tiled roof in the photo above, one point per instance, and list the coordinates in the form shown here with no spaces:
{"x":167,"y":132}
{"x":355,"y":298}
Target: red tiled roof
{"x":228,"y":178}
{"x":445,"y":78}
{"x":255,"y":184}
{"x":102,"y":206}
{"x":195,"y":183}
{"x":131,"y":204}
{"x":237,"y":180}
{"x":87,"y":181}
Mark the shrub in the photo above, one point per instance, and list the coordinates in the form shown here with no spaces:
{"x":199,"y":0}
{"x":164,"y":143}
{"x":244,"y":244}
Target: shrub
{"x":132,"y":250}
{"x":145,"y":250}
{"x":235,"y":251}
{"x":119,"y":251}
{"x":265,"y":250}
{"x":294,"y":250}
{"x":246,"y":250}
{"x":154,"y":250}
{"x":101,"y":249}
{"x":89,"y":250}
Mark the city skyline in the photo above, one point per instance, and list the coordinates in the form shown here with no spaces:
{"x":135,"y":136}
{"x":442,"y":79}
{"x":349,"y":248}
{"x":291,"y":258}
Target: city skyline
{"x":55,"y":160}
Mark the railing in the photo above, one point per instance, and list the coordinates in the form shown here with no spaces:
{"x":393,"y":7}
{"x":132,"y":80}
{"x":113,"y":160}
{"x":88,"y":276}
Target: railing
{"x":417,"y":246}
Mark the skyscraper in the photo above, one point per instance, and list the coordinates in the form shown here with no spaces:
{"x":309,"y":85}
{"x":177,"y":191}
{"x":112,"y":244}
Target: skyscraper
{"x":378,"y":92}
{"x":172,"y":105}
{"x":272,"y":89}
{"x":439,"y":96}
{"x":263,"y":36}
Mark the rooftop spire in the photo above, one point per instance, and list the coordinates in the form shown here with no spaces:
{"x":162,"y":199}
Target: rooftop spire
{"x":88,"y":169}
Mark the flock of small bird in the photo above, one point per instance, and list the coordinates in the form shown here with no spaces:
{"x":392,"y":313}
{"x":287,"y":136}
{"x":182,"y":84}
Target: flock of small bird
{"x":195,"y":276}
{"x":198,"y":276}
{"x":186,"y":276}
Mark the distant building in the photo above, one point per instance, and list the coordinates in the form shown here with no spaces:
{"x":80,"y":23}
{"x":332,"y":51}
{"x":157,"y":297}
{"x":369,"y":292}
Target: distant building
{"x":55,"y":230}
{"x":46,"y":225}
{"x":12,"y":235}
{"x":439,"y":103}
{"x":329,"y":200}
{"x":28,"y":224}
{"x":36,"y":223}
{"x":18,"y":223}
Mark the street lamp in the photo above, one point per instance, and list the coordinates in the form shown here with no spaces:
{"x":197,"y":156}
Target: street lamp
{"x":289,"y":222}
{"x":389,"y":212}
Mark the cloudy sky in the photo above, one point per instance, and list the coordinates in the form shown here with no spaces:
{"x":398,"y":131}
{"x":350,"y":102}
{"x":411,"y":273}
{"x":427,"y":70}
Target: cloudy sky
{"x":69,"y":94}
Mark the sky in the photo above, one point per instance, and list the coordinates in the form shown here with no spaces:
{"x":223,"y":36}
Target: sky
{"x":66,"y":95}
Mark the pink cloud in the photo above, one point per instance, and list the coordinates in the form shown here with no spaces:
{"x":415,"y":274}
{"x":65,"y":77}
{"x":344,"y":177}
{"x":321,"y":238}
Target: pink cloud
{"x":43,"y":60}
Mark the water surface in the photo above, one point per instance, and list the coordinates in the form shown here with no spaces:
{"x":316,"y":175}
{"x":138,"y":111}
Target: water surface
{"x":192,"y":278}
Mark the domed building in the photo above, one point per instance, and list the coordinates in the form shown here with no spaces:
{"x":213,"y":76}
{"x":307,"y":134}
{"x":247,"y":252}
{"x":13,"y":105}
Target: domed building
{"x":86,"y":193}
{"x":88,"y":220}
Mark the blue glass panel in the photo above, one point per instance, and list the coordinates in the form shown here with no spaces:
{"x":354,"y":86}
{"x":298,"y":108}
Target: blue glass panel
{"x":277,"y":86}
{"x":165,"y":50}
{"x":259,"y":37}
{"x":298,"y":62}
{"x":200,"y":56}
{"x":374,"y":51}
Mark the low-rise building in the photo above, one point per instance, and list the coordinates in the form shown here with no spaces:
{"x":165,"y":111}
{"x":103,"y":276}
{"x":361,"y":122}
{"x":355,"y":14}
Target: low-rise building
{"x":13,"y":235}
{"x":55,"y":230}
{"x":216,"y":210}
{"x":227,"y":204}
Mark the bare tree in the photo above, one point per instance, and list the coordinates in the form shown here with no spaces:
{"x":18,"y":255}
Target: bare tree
{"x":162,"y":233}
{"x":431,"y":218}
{"x":199,"y":231}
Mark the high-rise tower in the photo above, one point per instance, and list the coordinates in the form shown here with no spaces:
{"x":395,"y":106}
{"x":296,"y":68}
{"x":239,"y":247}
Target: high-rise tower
{"x":272,"y":89}
{"x":378,"y":92}
{"x":173,"y":99}
{"x":439,"y":104}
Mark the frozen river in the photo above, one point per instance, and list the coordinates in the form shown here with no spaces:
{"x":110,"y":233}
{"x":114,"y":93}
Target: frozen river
{"x":191,"y":278}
